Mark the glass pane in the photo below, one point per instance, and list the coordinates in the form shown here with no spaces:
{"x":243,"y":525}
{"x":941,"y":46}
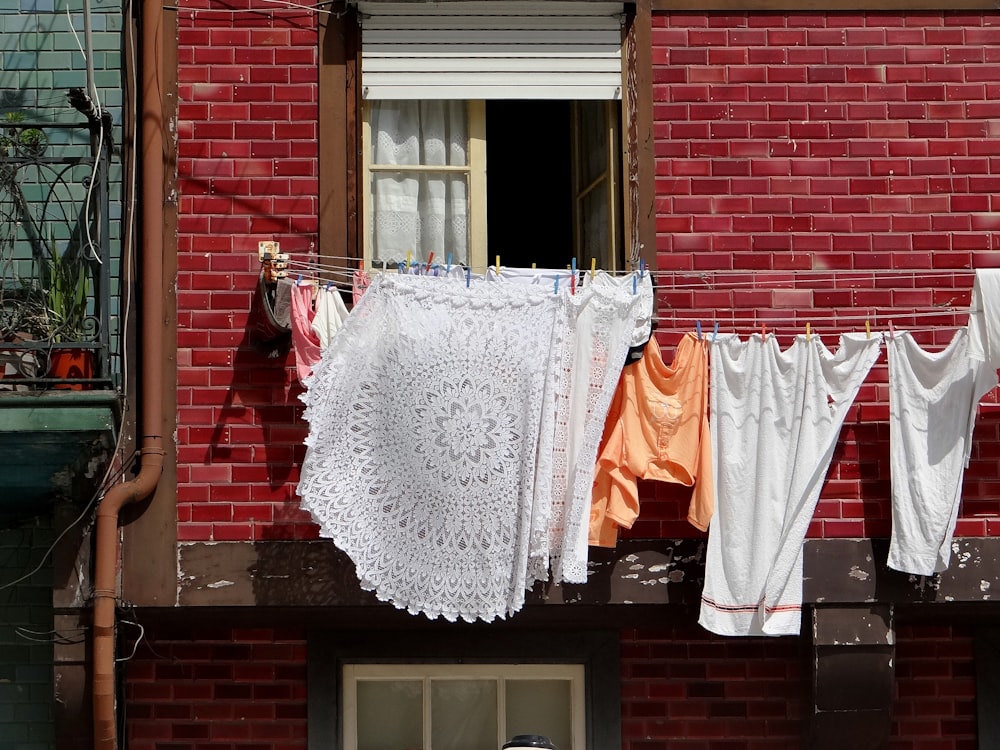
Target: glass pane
{"x":428,"y":132}
{"x":540,"y":707}
{"x":390,"y":715}
{"x":593,"y":125}
{"x":464,"y":715}
{"x":419,"y":214}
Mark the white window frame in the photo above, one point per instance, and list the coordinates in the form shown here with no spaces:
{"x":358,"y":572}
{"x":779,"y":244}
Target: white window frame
{"x":575,"y":674}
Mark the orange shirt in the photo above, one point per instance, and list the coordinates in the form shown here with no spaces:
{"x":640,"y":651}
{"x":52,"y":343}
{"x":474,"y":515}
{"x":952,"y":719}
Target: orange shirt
{"x":657,"y":428}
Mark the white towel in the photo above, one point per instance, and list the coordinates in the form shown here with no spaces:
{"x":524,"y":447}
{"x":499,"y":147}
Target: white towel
{"x":331,"y":312}
{"x":775,"y":418}
{"x":984,"y":318}
{"x":932,"y":410}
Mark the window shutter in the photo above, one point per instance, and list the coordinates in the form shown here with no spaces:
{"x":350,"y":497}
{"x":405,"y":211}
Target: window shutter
{"x":492,"y":49}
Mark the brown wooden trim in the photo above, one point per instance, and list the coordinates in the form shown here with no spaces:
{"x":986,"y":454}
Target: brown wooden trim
{"x":149,"y":551}
{"x":660,"y":6}
{"x":640,"y":200}
{"x":337,"y":136}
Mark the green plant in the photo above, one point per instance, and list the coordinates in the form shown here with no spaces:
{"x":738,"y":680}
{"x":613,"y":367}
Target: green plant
{"x":21,"y":141}
{"x":66,"y":284}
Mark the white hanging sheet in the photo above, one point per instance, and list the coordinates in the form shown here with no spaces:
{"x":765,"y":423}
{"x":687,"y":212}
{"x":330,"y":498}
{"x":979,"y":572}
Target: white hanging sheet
{"x":775,"y":418}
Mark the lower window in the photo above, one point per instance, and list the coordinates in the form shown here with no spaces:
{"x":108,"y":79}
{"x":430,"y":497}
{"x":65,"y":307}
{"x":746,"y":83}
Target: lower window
{"x":461,"y":706}
{"x":463,"y":688}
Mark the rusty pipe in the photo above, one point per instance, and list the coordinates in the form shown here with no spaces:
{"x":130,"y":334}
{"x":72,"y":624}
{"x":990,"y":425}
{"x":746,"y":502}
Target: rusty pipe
{"x":151,"y":379}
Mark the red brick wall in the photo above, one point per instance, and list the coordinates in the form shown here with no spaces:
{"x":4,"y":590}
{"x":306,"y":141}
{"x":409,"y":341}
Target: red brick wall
{"x":225,"y":689}
{"x":786,"y":144}
{"x":245,"y":689}
{"x":247,"y":166}
{"x":935,"y":706}
{"x":685,"y":688}
{"x":795,"y":155}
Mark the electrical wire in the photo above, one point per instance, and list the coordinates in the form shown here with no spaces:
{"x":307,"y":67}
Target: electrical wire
{"x":91,"y":247}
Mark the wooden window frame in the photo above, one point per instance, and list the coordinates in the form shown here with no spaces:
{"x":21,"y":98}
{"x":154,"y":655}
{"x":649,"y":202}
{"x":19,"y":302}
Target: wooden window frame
{"x":341,"y":157}
{"x":596,"y":650}
{"x":353,"y":673}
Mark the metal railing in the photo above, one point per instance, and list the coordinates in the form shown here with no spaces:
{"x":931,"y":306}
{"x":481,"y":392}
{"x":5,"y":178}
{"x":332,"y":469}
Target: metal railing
{"x":55,"y":260}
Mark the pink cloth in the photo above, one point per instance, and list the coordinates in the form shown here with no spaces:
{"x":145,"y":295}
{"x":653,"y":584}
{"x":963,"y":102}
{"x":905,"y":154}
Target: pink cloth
{"x":305,"y":342}
{"x":360,"y":283}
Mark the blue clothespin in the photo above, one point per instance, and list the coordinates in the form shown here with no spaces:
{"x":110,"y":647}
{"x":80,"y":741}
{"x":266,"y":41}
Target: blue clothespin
{"x":642,"y":268}
{"x":468,"y":277}
{"x":635,"y":284}
{"x":448,"y":269}
{"x":715,"y":330}
{"x":401,"y":267}
{"x":698,"y":326}
{"x":556,"y":288}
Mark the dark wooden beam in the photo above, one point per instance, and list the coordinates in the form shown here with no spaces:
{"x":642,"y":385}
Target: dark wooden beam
{"x":852,"y":677}
{"x":635,"y":574}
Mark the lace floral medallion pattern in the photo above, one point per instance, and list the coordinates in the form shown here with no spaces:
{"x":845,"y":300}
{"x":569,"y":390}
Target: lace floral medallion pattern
{"x":424,"y":420}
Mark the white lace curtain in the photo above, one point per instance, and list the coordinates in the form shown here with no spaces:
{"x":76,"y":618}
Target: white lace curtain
{"x":416,"y":208}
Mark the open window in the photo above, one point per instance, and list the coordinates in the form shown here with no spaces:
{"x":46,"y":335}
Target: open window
{"x":492,"y":129}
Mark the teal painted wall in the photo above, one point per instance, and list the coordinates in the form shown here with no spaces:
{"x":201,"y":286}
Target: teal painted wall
{"x":40,"y":60}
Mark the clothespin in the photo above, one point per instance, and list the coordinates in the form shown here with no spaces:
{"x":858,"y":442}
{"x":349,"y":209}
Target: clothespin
{"x":401,"y":267}
{"x":448,"y":269}
{"x":534,"y":266}
{"x":572,"y":283}
{"x":715,"y":330}
{"x":808,"y":331}
{"x":409,"y":256}
{"x":555,"y":289}
{"x":593,"y":268}
{"x":298,"y":281}
{"x":892,"y":331}
{"x":635,"y":283}
{"x":383,"y":265}
{"x":642,"y":267}
{"x":468,"y":277}
{"x":698,"y":326}
{"x":430,"y":258}
{"x":572,"y":265}
{"x":498,"y":265}
{"x":868,"y":330}
{"x":763,"y":330}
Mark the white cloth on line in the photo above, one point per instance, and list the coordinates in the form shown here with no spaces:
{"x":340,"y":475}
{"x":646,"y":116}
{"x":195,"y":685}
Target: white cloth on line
{"x":593,"y":349}
{"x":984,"y":317}
{"x":424,"y":422}
{"x":331,"y":312}
{"x":933,"y":399}
{"x":775,"y":419}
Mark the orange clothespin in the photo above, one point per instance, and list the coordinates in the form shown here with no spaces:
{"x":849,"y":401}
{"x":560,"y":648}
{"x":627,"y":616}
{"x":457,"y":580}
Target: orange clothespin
{"x":892,"y":331}
{"x":808,"y":331}
{"x":763,"y":330}
{"x":593,"y":268}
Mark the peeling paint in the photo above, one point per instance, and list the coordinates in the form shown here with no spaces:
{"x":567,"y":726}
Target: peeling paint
{"x":984,"y":586}
{"x":858,"y":573}
{"x":220,"y":584}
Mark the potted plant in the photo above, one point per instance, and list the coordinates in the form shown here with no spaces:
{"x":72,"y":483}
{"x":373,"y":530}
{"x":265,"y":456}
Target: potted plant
{"x":65,"y":281}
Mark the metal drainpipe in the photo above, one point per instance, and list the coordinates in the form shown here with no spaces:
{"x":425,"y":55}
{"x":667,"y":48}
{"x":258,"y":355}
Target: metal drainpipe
{"x":151,"y":385}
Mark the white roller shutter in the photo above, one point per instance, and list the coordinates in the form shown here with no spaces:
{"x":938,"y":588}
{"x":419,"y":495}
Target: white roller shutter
{"x":495,"y":49}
